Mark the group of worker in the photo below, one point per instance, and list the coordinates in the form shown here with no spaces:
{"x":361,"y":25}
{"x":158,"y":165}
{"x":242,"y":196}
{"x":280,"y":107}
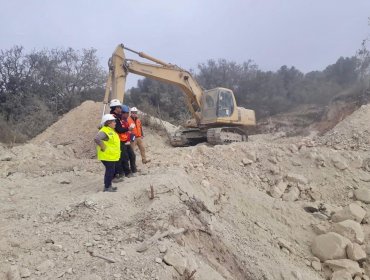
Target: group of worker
{"x":121,"y":131}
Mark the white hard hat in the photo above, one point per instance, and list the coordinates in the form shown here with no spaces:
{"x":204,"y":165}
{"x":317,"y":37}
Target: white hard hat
{"x":114,"y":103}
{"x":107,"y":117}
{"x":133,"y":109}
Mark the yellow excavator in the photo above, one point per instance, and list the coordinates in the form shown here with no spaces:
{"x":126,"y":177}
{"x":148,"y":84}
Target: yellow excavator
{"x":216,"y":117}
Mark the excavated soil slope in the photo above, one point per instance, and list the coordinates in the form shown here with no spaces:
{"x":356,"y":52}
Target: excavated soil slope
{"x":217,"y":213}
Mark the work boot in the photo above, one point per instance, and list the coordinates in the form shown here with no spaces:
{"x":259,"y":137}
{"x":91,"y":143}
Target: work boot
{"x":118,"y":179}
{"x":110,"y":189}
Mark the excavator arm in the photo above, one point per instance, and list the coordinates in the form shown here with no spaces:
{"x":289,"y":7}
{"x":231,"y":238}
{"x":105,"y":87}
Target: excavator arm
{"x":120,"y":67}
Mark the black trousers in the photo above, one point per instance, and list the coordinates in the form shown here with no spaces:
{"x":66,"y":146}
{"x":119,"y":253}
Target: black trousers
{"x":127,"y":161}
{"x":110,"y":169}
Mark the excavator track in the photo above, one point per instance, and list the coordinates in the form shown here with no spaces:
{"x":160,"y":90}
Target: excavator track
{"x":225,"y":135}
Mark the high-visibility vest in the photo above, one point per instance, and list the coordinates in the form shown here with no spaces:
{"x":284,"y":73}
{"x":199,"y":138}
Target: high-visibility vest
{"x":125,"y":136}
{"x":138,"y":130}
{"x":112,"y":150}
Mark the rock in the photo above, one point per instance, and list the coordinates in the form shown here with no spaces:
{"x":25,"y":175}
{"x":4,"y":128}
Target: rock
{"x":5,"y":156}
{"x":330,"y":246}
{"x":162,"y":248}
{"x":206,"y":184}
{"x":341,"y":275}
{"x":158,"y":260}
{"x":351,"y":212}
{"x":251,"y":155}
{"x":91,"y":277}
{"x":349,"y":266}
{"x":69,"y":270}
{"x":350,"y":229}
{"x":277,"y":191}
{"x":25,"y":273}
{"x":64,"y":181}
{"x":45,"y":266}
{"x":340,"y":164}
{"x":293,"y":148}
{"x":123,"y":253}
{"x":316,"y":265}
{"x":56,"y":247}
{"x":292,"y":194}
{"x":320,"y":216}
{"x":363,"y":195}
{"x":321,"y":228}
{"x":176,"y":260}
{"x":355,"y":252}
{"x":285,"y":244}
{"x":246,"y":161}
{"x":13,"y":273}
{"x":296,"y":178}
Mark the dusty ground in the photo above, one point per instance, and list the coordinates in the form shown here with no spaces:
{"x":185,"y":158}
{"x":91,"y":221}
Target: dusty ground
{"x":213,"y":212}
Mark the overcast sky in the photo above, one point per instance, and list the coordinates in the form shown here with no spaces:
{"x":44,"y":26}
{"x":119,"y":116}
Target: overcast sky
{"x":306,"y":34}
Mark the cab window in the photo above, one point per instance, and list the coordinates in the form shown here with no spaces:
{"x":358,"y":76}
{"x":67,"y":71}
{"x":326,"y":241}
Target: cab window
{"x":225,"y":106}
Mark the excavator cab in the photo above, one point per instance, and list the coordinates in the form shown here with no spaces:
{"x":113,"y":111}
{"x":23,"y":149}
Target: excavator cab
{"x":218,"y":104}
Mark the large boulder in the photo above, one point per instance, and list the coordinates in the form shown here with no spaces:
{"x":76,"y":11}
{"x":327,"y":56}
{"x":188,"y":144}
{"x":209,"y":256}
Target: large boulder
{"x":330,"y":246}
{"x":355,"y":252}
{"x":350,"y":229}
{"x":352,"y":211}
{"x":341,"y":275}
{"x":350,"y":266}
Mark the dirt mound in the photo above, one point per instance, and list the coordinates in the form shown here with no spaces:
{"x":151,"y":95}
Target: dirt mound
{"x":240,"y":211}
{"x":77,"y":128}
{"x":353,"y":133}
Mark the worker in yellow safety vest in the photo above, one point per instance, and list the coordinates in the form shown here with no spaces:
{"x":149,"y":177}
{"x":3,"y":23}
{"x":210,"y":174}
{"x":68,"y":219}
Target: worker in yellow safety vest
{"x":108,"y":149}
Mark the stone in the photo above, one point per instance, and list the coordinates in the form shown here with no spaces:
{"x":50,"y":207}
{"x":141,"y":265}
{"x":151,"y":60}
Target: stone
{"x":56,"y":247}
{"x":316,"y":265}
{"x":351,"y":230}
{"x":25,"y":272}
{"x":206,"y":184}
{"x":277,"y":190}
{"x":246,"y":161}
{"x":293,"y":148}
{"x":349,"y":266}
{"x":296,"y":178}
{"x":285,"y":244}
{"x":162,"y":248}
{"x":321,"y":228}
{"x":5,"y":156}
{"x":64,"y":181}
{"x":330,"y":246}
{"x":251,"y":155}
{"x":158,"y":260}
{"x":174,"y":259}
{"x":362,"y":195}
{"x":341,"y":275}
{"x":292,"y":194}
{"x":45,"y":266}
{"x":13,"y":273}
{"x":355,"y":252}
{"x":340,"y":164}
{"x":352,"y":211}
{"x":320,"y":216}
{"x":91,"y":277}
